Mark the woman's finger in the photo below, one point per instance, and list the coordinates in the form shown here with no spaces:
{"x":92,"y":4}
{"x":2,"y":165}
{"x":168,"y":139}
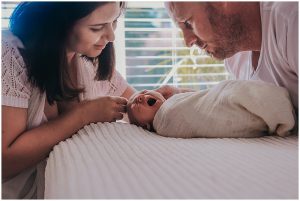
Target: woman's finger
{"x":122,"y":108}
{"x":118,"y":116}
{"x":120,"y":100}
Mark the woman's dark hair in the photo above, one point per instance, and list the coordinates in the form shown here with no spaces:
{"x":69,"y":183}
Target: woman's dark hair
{"x":43,"y":28}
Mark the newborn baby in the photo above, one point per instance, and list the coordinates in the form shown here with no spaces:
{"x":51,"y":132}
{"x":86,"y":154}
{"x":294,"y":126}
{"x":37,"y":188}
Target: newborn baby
{"x":233,"y":108}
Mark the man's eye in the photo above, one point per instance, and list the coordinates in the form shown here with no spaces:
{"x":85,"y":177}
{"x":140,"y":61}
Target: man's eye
{"x":188,"y":25}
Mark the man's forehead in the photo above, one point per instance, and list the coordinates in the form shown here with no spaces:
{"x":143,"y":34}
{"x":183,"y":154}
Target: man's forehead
{"x":177,"y":10}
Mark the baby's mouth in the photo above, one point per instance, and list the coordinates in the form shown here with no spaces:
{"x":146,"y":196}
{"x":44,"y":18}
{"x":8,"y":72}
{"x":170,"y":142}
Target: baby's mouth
{"x":151,"y":101}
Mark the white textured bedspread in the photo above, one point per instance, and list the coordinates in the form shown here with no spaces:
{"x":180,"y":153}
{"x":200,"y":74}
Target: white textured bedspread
{"x":117,"y":160}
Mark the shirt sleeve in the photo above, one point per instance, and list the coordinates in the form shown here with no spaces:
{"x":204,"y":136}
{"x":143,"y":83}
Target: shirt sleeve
{"x":118,"y":84}
{"x":16,"y":90}
{"x":292,"y":40}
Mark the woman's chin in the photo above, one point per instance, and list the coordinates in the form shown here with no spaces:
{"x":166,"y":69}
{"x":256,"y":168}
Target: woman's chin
{"x":94,"y":54}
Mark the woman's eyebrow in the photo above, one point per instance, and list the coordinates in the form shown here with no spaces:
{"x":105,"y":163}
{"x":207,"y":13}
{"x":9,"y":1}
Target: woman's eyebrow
{"x":94,"y":25}
{"x":101,"y":24}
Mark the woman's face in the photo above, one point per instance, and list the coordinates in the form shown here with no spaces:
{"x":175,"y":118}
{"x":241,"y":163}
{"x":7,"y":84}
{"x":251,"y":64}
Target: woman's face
{"x":143,"y":106}
{"x":91,"y":34}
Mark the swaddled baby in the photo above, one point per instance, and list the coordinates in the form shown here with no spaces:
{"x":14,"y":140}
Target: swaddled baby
{"x":233,"y":108}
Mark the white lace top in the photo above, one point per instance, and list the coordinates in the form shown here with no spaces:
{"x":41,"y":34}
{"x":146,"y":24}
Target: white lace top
{"x":18,"y":92}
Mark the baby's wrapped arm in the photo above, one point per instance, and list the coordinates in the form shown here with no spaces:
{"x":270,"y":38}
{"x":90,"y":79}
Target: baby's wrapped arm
{"x":167,"y":91}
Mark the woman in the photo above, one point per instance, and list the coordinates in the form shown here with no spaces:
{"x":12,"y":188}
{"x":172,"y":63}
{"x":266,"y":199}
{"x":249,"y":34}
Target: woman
{"x":57,"y":58}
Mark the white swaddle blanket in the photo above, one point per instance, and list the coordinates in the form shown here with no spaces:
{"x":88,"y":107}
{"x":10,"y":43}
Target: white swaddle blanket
{"x":233,"y":108}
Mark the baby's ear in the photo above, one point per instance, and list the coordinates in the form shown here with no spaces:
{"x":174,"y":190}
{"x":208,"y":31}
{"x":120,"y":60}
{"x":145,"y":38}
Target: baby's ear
{"x":148,"y":127}
{"x":144,"y":126}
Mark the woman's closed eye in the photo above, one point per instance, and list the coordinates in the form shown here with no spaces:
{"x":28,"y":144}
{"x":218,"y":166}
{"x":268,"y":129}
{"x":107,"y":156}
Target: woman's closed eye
{"x":96,"y":29}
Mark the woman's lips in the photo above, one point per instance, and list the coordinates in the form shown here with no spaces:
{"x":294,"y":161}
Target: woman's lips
{"x":99,"y":47}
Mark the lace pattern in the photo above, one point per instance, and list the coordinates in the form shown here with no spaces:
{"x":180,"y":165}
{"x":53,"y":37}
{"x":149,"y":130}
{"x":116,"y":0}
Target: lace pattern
{"x":16,"y":89}
{"x":93,"y":88}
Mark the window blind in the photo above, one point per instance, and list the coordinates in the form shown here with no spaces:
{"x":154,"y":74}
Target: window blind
{"x":7,"y":8}
{"x":156,"y":53}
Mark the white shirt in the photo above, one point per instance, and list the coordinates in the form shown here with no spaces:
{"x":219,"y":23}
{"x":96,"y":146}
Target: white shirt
{"x":278,"y":60}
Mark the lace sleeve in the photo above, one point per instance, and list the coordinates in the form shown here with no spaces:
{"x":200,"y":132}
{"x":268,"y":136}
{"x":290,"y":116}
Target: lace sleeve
{"x":16,"y":89}
{"x":117,"y":84}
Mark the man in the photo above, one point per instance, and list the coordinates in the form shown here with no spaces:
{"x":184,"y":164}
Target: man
{"x":258,"y":40}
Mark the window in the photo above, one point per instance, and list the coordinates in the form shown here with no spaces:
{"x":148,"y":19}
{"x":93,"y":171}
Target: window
{"x":155,"y":52}
{"x":7,"y":8}
{"x":150,"y":50}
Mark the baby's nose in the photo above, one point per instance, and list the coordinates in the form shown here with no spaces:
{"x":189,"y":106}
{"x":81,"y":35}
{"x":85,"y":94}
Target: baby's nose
{"x":140,"y":99}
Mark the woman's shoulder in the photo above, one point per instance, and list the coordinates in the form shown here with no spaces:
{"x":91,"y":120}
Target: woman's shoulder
{"x":10,"y":40}
{"x":10,"y":54}
{"x":14,"y":72}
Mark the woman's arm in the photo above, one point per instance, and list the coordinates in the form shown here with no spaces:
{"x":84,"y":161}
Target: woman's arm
{"x":23,"y":148}
{"x":128,"y":92}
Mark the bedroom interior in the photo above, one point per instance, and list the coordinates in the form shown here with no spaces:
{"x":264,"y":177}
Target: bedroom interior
{"x":123,"y":161}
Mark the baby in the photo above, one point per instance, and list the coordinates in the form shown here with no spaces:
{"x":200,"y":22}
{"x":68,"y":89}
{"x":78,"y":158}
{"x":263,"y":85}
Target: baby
{"x":233,"y":108}
{"x":142,"y":107}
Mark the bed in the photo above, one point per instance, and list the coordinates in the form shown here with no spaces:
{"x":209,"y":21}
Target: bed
{"x":123,"y":161}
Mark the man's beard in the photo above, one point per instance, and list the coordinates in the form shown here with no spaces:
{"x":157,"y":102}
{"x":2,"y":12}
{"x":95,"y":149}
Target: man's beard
{"x":223,"y":51}
{"x":229,"y":33}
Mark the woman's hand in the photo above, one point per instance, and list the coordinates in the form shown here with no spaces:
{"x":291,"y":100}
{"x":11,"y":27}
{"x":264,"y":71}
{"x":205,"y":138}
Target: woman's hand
{"x":103,"y":109}
{"x":167,"y":91}
{"x":23,"y":148}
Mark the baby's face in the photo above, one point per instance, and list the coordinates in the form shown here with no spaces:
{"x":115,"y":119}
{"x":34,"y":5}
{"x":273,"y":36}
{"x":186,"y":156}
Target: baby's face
{"x":142,"y":107}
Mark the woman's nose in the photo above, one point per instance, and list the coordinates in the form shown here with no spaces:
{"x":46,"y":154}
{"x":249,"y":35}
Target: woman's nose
{"x":110,"y":32}
{"x":189,"y":37}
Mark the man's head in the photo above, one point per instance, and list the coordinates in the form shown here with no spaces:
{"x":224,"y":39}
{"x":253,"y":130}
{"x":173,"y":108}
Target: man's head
{"x":215,"y":27}
{"x":142,"y":107}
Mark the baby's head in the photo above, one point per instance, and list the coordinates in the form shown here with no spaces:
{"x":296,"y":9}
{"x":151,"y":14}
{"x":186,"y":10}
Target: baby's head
{"x":142,"y":107}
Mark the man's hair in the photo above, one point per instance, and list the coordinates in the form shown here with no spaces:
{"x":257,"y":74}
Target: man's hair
{"x":43,"y":28}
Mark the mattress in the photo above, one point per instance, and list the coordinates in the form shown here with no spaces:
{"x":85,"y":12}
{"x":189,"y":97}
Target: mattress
{"x":123,"y":161}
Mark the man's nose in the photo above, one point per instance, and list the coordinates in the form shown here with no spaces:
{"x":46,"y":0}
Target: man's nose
{"x":189,"y":37}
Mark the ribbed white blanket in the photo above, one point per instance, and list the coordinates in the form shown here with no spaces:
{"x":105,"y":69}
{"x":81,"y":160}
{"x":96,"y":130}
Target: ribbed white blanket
{"x":117,"y":160}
